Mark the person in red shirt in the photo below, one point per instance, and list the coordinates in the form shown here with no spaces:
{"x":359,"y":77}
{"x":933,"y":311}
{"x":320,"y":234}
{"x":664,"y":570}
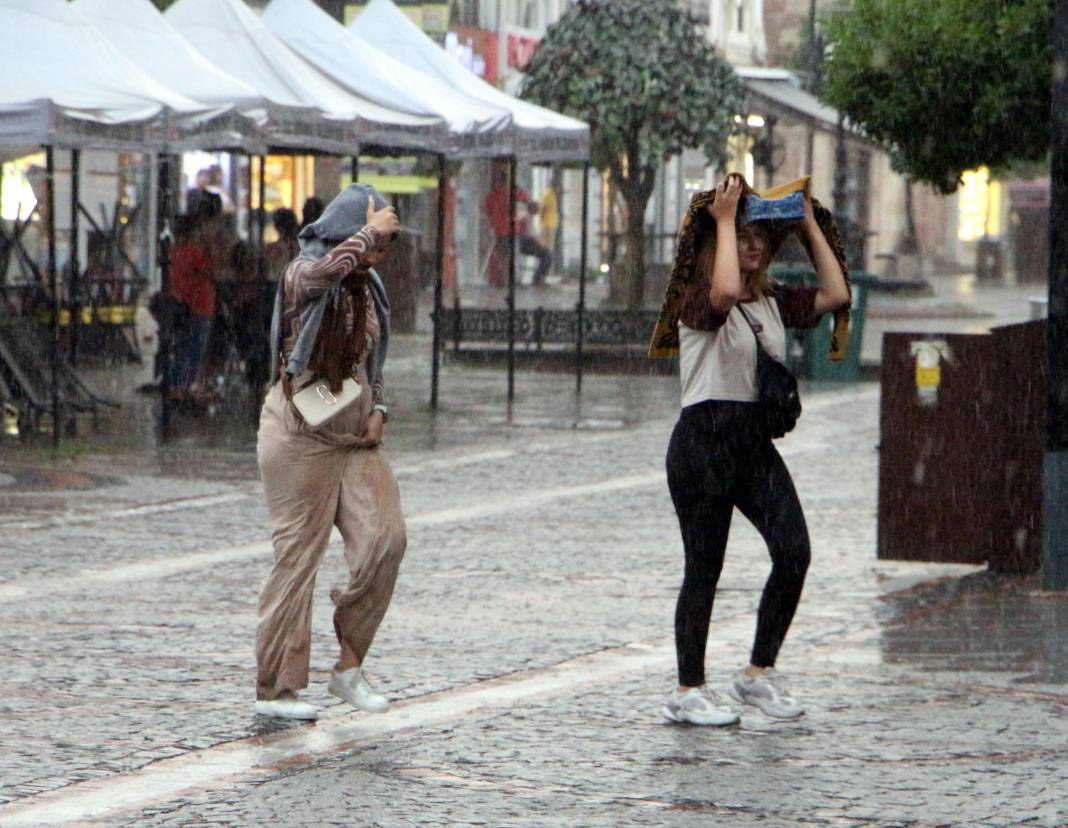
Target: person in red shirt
{"x":193,"y":284}
{"x":506,"y":231}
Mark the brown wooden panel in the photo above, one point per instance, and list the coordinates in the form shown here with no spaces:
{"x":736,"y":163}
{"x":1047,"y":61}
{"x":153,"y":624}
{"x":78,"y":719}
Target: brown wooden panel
{"x":1022,"y":387}
{"x":936,"y":479}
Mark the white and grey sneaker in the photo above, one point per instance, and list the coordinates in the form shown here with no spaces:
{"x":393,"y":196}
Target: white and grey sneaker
{"x":352,"y":686}
{"x":699,"y":706}
{"x":768,"y":692}
{"x":287,"y":705}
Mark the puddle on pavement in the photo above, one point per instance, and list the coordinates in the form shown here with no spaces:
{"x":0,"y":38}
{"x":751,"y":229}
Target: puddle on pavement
{"x":983,"y":622}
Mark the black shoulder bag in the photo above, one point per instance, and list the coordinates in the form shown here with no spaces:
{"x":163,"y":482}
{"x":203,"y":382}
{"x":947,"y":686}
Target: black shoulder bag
{"x":777,"y":395}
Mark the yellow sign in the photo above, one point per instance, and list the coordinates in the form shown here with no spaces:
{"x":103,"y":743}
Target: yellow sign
{"x":396,"y":184}
{"x":432,"y":18}
{"x":435,"y":18}
{"x":928,"y":377}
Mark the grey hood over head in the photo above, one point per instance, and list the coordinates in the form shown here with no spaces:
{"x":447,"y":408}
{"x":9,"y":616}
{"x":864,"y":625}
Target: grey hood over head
{"x":343,"y":217}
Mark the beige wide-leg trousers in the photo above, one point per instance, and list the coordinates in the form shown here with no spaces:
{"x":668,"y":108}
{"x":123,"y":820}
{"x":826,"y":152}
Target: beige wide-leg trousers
{"x":313,"y":482}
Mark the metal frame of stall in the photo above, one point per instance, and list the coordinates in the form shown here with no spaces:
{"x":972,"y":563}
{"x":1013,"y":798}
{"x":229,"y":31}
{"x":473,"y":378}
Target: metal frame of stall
{"x":580,"y":310}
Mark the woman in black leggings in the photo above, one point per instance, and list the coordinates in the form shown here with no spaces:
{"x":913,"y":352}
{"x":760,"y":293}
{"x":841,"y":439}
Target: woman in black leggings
{"x":719,"y":457}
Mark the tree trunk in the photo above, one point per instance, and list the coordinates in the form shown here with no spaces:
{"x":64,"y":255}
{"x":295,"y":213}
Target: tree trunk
{"x":635,"y":261}
{"x":635,"y":181}
{"x":910,"y":241}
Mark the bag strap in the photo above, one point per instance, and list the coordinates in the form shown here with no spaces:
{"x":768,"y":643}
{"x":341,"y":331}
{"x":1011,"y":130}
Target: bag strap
{"x":752,"y":327}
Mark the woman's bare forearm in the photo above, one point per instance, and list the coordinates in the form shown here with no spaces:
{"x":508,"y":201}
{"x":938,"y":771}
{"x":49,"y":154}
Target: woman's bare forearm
{"x":833,"y":291}
{"x":726,"y":277}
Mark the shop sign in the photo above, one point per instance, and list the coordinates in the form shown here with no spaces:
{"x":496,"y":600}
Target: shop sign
{"x":435,"y":18}
{"x":432,"y":18}
{"x":475,"y":49}
{"x":521,"y":48}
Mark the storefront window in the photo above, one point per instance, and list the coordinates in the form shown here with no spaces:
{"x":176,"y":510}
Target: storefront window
{"x":17,"y":198}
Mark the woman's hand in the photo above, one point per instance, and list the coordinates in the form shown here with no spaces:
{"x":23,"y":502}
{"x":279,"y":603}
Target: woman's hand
{"x":725,"y":206}
{"x":373,"y":428}
{"x":384,"y":221}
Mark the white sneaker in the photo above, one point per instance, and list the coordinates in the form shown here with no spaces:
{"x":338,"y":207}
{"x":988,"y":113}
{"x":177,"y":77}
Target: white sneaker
{"x":287,"y":705}
{"x":768,"y":692}
{"x":352,"y":686}
{"x":699,"y":706}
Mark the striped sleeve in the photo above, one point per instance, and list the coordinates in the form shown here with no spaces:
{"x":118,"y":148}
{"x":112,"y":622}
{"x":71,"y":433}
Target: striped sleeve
{"x":315,"y":278}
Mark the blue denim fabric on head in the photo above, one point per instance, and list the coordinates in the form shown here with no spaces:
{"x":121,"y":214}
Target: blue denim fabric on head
{"x":786,"y":209}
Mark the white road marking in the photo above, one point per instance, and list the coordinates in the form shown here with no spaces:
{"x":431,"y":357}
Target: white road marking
{"x":202,"y":502}
{"x":335,"y":733}
{"x":155,"y":568}
{"x":821,"y":402}
{"x":163,"y":567}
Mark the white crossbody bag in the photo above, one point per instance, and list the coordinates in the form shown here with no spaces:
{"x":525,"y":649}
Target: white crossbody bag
{"x":316,"y":403}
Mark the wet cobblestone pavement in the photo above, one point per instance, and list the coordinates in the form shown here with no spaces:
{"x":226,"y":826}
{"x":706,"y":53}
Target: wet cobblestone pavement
{"x":528,"y":645}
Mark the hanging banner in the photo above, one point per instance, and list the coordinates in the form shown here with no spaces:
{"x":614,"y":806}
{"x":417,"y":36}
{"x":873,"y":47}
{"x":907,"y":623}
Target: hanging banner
{"x":521,"y":44}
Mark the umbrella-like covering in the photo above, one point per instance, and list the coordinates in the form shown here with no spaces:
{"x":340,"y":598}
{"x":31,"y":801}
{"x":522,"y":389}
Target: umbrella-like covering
{"x":138,"y":30}
{"x":307,"y":109}
{"x":475,"y":127}
{"x":63,"y":88}
{"x":541,"y":135}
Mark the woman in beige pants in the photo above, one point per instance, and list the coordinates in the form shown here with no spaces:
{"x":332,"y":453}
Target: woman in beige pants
{"x":331,"y":319}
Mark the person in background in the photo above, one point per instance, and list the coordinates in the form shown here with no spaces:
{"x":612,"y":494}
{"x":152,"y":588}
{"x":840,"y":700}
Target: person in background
{"x":310,"y":212}
{"x":549,"y":219}
{"x":216,"y":184}
{"x":498,"y":209}
{"x":284,"y":249}
{"x":530,"y":246}
{"x":194,"y":262}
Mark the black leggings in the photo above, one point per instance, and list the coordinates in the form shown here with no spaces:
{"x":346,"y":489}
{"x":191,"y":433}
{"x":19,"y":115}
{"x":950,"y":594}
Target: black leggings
{"x":718,"y":459}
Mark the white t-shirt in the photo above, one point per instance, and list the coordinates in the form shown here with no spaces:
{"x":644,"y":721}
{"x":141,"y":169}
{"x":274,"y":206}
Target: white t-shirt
{"x":721,"y":364}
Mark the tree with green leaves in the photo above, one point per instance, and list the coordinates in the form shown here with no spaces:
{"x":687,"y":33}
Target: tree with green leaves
{"x":649,"y":85}
{"x":945,"y":85}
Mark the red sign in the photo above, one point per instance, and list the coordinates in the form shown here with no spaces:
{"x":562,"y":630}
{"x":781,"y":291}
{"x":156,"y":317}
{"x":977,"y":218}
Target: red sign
{"x":475,"y":48}
{"x":521,"y":49}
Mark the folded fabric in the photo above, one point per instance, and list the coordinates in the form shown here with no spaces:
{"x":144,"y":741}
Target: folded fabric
{"x":697,"y":225}
{"x":789,"y":208}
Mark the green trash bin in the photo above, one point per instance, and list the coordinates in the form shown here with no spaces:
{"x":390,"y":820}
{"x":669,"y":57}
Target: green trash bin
{"x":808,"y":349}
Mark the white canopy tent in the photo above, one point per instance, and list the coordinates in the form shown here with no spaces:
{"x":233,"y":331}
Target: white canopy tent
{"x":308,"y":111}
{"x":65,"y":89}
{"x":140,"y":32}
{"x":475,"y":127}
{"x":541,"y":135}
{"x":62,"y":88}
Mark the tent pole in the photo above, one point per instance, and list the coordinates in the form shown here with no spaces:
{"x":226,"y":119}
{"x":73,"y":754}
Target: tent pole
{"x":583,"y":253}
{"x":75,"y":265}
{"x":50,"y":206}
{"x":355,"y":168}
{"x":512,"y":165}
{"x":165,"y":338}
{"x":261,"y":216}
{"x":439,"y":282}
{"x":248,"y":201}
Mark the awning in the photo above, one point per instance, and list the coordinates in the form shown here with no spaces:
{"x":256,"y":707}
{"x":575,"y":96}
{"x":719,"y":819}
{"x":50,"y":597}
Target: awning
{"x":541,"y":135}
{"x":475,"y":127}
{"x":63,"y":88}
{"x":308,"y":110}
{"x":138,"y":30}
{"x":781,"y":91}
